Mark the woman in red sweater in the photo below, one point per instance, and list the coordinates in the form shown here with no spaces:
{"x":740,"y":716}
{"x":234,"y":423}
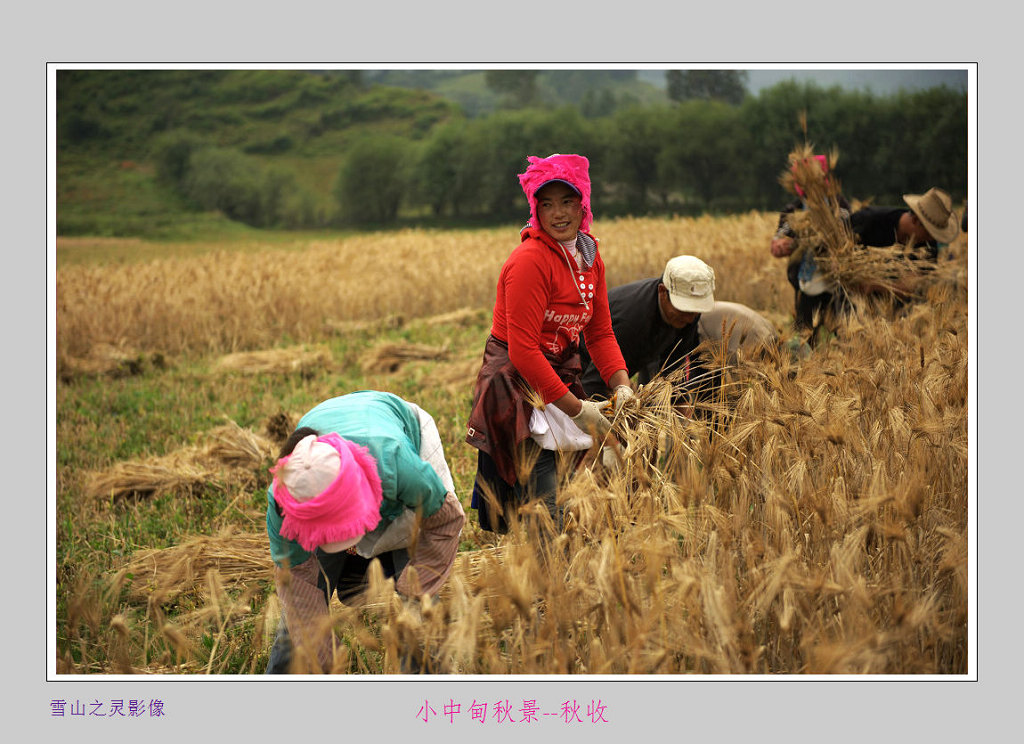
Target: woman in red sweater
{"x":551,"y":290}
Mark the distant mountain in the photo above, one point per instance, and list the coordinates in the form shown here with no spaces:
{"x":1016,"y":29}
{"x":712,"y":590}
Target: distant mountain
{"x":879,"y":81}
{"x":595,"y":91}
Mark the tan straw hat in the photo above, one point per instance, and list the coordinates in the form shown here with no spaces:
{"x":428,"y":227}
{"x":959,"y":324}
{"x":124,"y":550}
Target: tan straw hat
{"x":935,"y":210}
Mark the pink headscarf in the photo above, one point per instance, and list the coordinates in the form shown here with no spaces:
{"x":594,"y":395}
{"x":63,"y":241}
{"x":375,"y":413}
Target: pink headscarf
{"x":572,"y":169}
{"x":348,"y":507}
{"x":822,"y":161}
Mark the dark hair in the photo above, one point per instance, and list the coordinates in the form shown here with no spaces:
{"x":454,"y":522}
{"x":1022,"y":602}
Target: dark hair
{"x":296,"y":436}
{"x":286,"y":449}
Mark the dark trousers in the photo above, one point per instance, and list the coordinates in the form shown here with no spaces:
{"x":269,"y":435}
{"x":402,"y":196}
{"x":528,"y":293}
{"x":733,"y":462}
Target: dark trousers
{"x":343,"y":574}
{"x":541,"y":484}
{"x":808,"y":307}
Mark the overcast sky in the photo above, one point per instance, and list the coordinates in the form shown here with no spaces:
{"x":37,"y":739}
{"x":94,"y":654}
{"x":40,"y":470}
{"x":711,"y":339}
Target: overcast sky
{"x":877,"y":81}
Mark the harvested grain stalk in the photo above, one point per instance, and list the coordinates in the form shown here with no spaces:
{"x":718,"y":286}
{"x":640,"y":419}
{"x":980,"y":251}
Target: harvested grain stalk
{"x":170,"y":572}
{"x":463,"y":317}
{"x":457,"y":375}
{"x":108,"y":360}
{"x":389,"y":357}
{"x":824,"y":227}
{"x":244,"y":558}
{"x":360,"y":327}
{"x":240,"y":447}
{"x":230,"y":456}
{"x":178,"y":472}
{"x":294,"y":359}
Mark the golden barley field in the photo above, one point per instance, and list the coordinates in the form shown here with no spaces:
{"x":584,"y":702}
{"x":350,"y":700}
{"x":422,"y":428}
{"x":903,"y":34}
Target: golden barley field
{"x":815,"y":523}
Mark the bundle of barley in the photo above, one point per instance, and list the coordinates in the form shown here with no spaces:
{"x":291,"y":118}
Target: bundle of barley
{"x":239,"y":559}
{"x":188,"y":468}
{"x":180,"y":472}
{"x":279,"y":426}
{"x":170,"y":572}
{"x":109,"y":360}
{"x":464,"y":317}
{"x":389,"y":357}
{"x":233,"y":445}
{"x":646,"y":422}
{"x":294,"y":359}
{"x":824,"y":228}
{"x":356,"y":327}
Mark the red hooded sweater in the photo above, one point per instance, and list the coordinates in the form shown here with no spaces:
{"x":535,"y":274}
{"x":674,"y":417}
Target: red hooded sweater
{"x":544,"y":301}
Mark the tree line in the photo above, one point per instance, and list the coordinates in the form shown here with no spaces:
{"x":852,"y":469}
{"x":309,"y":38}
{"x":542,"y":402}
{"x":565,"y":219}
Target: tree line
{"x":700,"y":153}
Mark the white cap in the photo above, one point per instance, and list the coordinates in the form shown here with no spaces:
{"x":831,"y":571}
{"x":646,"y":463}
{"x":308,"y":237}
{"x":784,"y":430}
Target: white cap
{"x":690,"y":283}
{"x":312,"y":467}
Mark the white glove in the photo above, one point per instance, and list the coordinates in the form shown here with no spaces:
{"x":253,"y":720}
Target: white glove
{"x":591,"y":420}
{"x":622,"y":394}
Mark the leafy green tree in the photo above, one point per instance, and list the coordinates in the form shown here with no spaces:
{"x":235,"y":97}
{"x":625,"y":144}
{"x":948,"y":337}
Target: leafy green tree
{"x":706,"y":151}
{"x":298,"y":208}
{"x":572,"y":86}
{"x":172,"y":152}
{"x":633,"y":140}
{"x":598,"y":102}
{"x":729,"y":86}
{"x":374,"y":179}
{"x":887,"y":145}
{"x":773,"y":124}
{"x":922,"y":142}
{"x":442,"y":178}
{"x":278,"y":186}
{"x":226,"y":180}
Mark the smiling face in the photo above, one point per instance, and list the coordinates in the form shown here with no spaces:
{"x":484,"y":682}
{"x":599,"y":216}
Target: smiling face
{"x":559,"y":211}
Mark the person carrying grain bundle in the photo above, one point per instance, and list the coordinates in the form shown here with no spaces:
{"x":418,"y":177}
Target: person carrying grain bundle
{"x":811,"y":293}
{"x":362,"y":478}
{"x":881,"y":253}
{"x":659,"y":323}
{"x":528,"y":403}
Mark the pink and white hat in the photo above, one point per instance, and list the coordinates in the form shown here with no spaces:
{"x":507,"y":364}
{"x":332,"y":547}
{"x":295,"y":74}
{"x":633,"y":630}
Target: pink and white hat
{"x":572,"y":170}
{"x":329,"y":491}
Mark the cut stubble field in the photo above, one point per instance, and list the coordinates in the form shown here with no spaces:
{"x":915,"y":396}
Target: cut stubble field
{"x":817,"y":524}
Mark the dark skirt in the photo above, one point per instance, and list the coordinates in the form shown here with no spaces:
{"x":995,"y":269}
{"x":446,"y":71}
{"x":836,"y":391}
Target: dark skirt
{"x":510,"y":470}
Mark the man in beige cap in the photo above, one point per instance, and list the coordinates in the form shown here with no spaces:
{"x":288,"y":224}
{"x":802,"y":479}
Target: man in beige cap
{"x":658,"y":322}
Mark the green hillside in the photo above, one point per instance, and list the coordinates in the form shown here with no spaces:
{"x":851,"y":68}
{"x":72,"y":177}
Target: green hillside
{"x":595,"y":92}
{"x":116,"y":127}
{"x":120,"y":131}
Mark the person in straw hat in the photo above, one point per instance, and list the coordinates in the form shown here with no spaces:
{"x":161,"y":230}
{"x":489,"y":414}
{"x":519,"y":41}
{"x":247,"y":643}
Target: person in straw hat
{"x":928,"y":221}
{"x":528,"y":403}
{"x":926,"y":225}
{"x":362,"y":478}
{"x":660,"y":321}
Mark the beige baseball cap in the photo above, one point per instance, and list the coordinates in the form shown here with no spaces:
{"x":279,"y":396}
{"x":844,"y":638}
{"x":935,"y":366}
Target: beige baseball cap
{"x":690,"y":283}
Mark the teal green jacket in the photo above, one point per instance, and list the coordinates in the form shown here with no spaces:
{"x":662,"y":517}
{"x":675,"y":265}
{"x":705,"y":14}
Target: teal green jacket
{"x":389,"y":429}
